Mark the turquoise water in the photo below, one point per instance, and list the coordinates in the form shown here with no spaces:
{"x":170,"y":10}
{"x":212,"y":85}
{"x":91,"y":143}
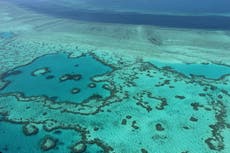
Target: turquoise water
{"x":26,"y":144}
{"x":75,"y":73}
{"x":80,"y":76}
{"x":211,"y":71}
{"x":6,"y":35}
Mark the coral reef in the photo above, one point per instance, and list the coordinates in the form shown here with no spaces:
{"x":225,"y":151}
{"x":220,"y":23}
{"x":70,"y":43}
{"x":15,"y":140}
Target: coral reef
{"x":30,"y":129}
{"x":140,"y":103}
{"x":48,"y":143}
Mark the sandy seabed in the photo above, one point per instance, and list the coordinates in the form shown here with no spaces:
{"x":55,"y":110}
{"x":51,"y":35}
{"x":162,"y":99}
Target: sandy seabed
{"x":148,"y":108}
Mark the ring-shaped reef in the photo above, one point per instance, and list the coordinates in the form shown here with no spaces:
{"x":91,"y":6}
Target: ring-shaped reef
{"x":59,"y":78}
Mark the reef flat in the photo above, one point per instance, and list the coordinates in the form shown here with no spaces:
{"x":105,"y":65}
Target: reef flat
{"x":33,"y":30}
{"x":82,"y":88}
{"x":151,"y":107}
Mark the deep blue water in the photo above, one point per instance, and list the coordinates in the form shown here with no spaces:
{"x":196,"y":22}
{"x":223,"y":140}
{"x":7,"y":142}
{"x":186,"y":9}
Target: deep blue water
{"x":108,"y":12}
{"x":179,"y":6}
{"x":146,"y":110}
{"x":168,"y":6}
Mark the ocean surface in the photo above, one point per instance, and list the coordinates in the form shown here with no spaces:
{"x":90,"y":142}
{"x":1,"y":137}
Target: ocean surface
{"x":159,"y":13}
{"x":99,"y":76}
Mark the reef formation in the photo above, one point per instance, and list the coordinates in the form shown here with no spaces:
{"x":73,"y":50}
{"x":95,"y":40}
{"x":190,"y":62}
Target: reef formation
{"x":110,"y":104}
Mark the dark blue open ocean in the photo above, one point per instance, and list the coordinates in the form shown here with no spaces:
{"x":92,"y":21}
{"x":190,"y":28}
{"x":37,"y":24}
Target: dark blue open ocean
{"x":206,"y":14}
{"x":114,"y":76}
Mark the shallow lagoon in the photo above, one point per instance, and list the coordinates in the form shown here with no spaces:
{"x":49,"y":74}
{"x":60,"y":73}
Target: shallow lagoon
{"x":48,"y":76}
{"x":67,"y":85}
{"x":210,"y":71}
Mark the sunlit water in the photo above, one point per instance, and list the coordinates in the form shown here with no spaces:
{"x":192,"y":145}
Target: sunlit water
{"x":56,"y":97}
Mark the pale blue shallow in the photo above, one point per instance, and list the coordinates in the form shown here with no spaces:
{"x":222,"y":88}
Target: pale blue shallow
{"x":211,"y":71}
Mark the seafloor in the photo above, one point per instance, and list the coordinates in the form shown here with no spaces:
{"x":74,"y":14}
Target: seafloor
{"x":68,"y":86}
